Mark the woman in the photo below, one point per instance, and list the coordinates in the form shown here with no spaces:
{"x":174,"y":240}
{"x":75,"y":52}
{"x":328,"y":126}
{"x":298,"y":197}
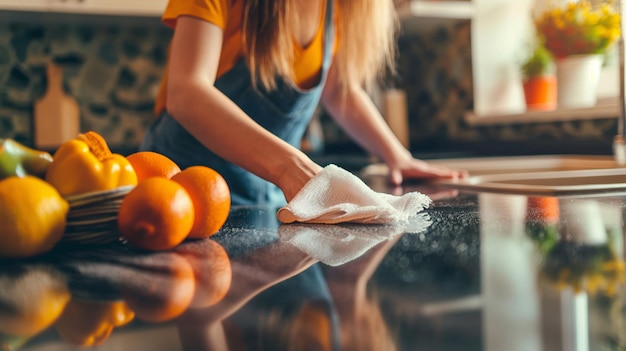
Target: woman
{"x":245,"y":76}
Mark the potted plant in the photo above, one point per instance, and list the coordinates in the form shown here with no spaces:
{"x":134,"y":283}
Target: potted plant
{"x":579,"y":34}
{"x":540,"y":83}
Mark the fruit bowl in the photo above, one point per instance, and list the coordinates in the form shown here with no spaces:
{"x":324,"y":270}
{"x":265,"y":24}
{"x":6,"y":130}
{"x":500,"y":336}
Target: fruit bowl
{"x":92,"y":218}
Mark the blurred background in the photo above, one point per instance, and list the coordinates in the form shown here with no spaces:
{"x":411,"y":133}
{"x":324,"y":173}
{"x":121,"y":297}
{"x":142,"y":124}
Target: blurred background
{"x":459,"y":77}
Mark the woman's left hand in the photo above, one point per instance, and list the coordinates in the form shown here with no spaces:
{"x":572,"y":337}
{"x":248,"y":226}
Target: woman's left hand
{"x":413,"y":168}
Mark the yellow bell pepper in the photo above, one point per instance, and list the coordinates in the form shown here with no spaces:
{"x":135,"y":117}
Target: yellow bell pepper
{"x":87,"y":323}
{"x":86,"y":164}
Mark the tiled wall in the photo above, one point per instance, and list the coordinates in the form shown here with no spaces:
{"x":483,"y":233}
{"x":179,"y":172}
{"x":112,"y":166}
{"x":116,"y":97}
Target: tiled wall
{"x":435,"y":70}
{"x":113,"y":69}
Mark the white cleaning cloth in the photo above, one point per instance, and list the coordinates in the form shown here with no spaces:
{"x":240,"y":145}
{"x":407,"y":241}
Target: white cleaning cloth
{"x":337,"y":196}
{"x":335,"y":245}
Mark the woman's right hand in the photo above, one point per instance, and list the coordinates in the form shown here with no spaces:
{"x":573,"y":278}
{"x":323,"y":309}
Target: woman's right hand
{"x":216,"y":121}
{"x":295,"y":177}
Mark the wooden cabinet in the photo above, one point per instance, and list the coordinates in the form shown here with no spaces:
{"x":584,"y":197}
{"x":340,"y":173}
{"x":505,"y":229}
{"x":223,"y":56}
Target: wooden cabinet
{"x":100,"y":7}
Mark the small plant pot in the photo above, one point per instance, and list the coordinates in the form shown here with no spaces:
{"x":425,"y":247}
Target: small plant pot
{"x":541,"y":93}
{"x":578,"y":77}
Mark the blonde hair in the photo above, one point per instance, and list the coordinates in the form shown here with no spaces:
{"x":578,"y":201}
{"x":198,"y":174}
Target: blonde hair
{"x":366,"y":33}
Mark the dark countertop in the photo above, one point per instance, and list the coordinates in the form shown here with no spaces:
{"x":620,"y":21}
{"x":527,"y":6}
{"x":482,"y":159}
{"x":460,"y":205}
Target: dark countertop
{"x":473,"y":272}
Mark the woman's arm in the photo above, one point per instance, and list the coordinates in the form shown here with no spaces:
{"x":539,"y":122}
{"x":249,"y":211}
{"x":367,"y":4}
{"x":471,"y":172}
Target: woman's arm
{"x":355,"y":112}
{"x":216,"y":121}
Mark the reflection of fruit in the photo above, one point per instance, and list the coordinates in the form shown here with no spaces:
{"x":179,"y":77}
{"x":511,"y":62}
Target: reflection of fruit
{"x":35,"y":299}
{"x":152,"y":164}
{"x":212,"y":270}
{"x":156,"y":215}
{"x":211,"y":199}
{"x":162,"y":292}
{"x":33,"y":216}
{"x":12,"y":342}
{"x":90,"y":323}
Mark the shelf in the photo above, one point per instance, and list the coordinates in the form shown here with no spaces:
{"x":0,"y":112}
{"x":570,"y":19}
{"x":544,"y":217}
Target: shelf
{"x":150,"y":8}
{"x":605,"y":108}
{"x":20,"y":5}
{"x":142,"y":8}
{"x":437,"y":9}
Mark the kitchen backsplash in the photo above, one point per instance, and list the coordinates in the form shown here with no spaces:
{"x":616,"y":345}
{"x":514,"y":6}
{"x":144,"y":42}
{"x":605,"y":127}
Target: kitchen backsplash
{"x":113,"y":70}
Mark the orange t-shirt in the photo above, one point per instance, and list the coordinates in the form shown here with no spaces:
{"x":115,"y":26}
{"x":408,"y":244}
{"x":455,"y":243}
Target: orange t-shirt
{"x":227,"y":14}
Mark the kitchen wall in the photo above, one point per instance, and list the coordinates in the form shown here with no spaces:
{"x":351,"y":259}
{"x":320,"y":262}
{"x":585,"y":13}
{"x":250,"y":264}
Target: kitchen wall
{"x":435,"y":69}
{"x":112,"y":66}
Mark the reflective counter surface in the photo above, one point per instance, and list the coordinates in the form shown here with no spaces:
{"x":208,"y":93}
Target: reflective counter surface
{"x":475,"y":271}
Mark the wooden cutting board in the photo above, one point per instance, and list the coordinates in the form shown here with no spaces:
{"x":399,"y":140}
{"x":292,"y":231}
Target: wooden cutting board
{"x":56,"y":114}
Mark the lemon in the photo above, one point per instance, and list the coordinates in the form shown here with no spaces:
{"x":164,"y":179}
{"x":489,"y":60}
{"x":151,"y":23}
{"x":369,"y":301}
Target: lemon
{"x":37,"y":296}
{"x":33,"y":216}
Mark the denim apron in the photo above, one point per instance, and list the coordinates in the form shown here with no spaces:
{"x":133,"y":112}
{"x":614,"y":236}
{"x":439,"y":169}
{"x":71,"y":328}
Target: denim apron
{"x":284,"y":111}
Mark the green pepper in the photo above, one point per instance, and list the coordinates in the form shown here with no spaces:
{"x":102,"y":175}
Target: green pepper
{"x":19,"y":160}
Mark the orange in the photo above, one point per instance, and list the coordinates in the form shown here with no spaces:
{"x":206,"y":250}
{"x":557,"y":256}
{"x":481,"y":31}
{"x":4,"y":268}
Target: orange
{"x":156,"y":215}
{"x":211,"y":199}
{"x":158,"y":292}
{"x":212,"y":270}
{"x":152,"y":164}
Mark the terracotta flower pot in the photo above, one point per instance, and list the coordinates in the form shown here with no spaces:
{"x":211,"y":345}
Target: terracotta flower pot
{"x":541,"y":93}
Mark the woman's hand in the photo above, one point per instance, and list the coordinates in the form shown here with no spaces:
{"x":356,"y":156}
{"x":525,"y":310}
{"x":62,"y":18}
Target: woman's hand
{"x":216,"y":121}
{"x":355,"y":112}
{"x":295,"y":177}
{"x":412,"y":168}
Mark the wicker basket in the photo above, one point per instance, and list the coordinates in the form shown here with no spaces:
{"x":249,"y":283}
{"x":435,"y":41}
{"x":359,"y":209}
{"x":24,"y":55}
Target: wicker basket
{"x":92,"y":218}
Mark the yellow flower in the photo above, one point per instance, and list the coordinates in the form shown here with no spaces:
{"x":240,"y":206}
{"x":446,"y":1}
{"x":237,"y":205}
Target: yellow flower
{"x":559,"y":23}
{"x":579,"y":28}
